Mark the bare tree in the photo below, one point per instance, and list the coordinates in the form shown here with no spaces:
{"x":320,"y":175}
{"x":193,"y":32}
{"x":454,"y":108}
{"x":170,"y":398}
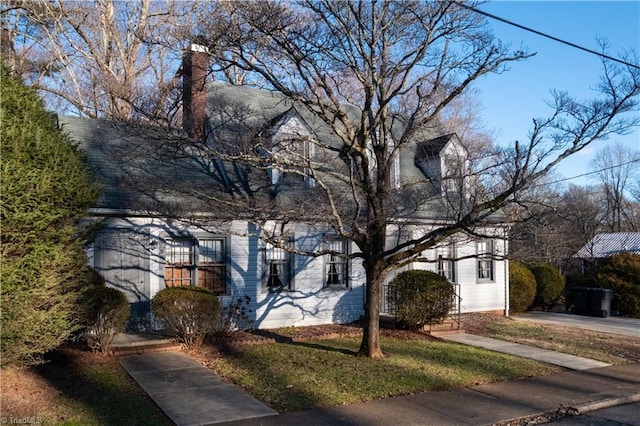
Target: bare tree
{"x":618,"y":169}
{"x":101,"y":58}
{"x":409,"y":62}
{"x":555,"y":227}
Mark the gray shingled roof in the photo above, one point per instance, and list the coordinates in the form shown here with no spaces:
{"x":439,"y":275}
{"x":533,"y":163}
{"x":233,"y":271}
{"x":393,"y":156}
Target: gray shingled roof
{"x":607,"y":244}
{"x":146,"y":169}
{"x":141,"y":169}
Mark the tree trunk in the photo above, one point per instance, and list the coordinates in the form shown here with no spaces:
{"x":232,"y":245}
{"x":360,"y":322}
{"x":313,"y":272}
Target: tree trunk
{"x":370,"y":346}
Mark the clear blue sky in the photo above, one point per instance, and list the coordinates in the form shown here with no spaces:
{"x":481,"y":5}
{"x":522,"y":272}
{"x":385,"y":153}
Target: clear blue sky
{"x":512,"y":99}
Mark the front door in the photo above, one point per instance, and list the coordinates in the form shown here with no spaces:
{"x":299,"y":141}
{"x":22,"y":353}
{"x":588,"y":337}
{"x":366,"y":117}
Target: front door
{"x":122,"y":258}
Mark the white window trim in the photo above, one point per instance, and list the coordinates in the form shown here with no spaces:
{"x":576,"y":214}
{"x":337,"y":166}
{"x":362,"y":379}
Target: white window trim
{"x":485,"y":256}
{"x":339,"y":260}
{"x":448,"y":251}
{"x":194,"y":257}
{"x":289,"y":261}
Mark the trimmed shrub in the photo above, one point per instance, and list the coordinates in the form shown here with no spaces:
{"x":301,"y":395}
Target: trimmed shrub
{"x":188,"y":312}
{"x":549,"y":285}
{"x":420,"y":297}
{"x":621,"y":273}
{"x":522,"y":287}
{"x":108,"y":316}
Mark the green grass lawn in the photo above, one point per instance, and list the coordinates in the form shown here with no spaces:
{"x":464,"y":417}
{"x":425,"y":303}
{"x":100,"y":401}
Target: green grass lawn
{"x":318,"y":373}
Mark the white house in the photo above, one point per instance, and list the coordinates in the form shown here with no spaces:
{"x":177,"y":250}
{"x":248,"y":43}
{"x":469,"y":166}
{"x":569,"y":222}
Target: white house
{"x":161,"y":226}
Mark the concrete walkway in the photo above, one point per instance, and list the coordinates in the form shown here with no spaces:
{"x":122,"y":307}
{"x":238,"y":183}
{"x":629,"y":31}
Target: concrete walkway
{"x":544,"y":355}
{"x":616,"y":325}
{"x":189,"y":393}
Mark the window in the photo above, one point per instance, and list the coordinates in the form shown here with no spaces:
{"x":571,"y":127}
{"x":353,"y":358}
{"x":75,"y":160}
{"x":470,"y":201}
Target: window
{"x":453,"y":177}
{"x":179,"y":266}
{"x":485,"y":260}
{"x":278,"y":265}
{"x":211,"y":265}
{"x":445,"y":262}
{"x":191,"y":261}
{"x":336,"y":266}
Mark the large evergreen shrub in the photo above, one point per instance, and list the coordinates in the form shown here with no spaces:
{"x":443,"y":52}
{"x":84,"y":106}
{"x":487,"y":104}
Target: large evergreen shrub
{"x":549,"y":285}
{"x":522,"y":287}
{"x":420,"y":297}
{"x":621,"y":273}
{"x":188,"y":312}
{"x":45,"y":191}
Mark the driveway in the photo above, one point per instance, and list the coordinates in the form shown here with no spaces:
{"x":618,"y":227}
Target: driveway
{"x":616,"y":325}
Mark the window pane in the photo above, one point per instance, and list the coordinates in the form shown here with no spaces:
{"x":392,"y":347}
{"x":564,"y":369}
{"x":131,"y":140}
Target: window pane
{"x":211,"y":264}
{"x":445,"y":262}
{"x":212,"y":278}
{"x":179,"y":252}
{"x":175,"y":276}
{"x":336,"y":266}
{"x":485,"y":262}
{"x":277,"y":262}
{"x":211,"y":251}
{"x":485,"y":269}
{"x":178,"y":270}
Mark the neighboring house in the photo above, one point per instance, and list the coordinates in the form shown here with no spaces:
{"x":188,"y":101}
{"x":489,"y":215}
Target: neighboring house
{"x":161,"y":225}
{"x":607,"y":244}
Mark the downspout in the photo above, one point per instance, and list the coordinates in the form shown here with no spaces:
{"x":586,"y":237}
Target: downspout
{"x":506,"y":274}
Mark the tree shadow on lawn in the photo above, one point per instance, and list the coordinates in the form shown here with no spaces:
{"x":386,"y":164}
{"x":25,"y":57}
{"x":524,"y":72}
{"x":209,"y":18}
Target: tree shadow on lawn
{"x":285,"y":391}
{"x":100,"y":385}
{"x":279,"y":338}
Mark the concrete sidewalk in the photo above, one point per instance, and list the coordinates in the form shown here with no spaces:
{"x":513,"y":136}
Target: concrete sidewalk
{"x":575,"y":392}
{"x":544,"y":355}
{"x":189,"y":393}
{"x":616,"y":325}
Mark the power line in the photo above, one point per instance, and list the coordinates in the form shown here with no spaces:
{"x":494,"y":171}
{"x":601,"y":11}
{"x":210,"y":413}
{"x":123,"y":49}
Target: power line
{"x":588,"y":173}
{"x":506,"y":21}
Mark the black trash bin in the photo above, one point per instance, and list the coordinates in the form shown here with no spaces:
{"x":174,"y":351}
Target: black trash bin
{"x":590,"y":301}
{"x":577,"y":300}
{"x":600,"y":302}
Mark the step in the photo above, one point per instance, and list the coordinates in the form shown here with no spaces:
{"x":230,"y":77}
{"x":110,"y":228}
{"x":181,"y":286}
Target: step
{"x":448,"y":326}
{"x":145,"y":347}
{"x":438,"y":333}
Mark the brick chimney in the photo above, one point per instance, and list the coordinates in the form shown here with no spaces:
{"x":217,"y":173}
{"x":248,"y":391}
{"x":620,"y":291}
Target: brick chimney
{"x":195,"y":65}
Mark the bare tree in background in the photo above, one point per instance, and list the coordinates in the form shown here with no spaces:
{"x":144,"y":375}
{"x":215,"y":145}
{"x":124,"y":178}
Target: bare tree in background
{"x":617,"y":168}
{"x":409,"y":62}
{"x":101,"y":58}
{"x":555,"y":227}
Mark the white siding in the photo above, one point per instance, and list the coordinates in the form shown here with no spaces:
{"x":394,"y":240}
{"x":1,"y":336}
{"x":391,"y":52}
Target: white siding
{"x":476,"y":295}
{"x":309,"y":303}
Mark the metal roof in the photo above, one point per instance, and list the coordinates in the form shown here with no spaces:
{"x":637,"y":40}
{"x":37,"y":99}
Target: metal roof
{"x":607,"y":244}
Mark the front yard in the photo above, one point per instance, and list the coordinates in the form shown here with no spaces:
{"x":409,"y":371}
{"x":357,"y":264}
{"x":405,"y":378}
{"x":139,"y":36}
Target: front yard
{"x":306,"y":374}
{"x":306,"y":369}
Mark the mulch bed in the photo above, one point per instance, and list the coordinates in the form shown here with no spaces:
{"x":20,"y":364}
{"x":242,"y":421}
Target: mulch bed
{"x":299,"y":334}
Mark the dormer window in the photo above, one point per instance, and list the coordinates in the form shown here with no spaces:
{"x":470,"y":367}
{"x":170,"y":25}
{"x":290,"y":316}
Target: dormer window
{"x":453,"y":181}
{"x":291,"y":145}
{"x":444,"y":161}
